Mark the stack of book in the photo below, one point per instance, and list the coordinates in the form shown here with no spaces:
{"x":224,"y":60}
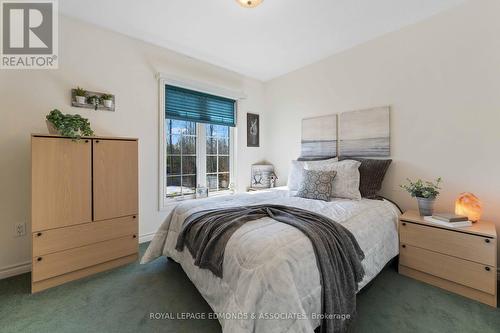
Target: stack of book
{"x":449,"y":220}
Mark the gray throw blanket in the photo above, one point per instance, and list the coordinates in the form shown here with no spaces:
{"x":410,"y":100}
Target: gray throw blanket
{"x":338,"y":254}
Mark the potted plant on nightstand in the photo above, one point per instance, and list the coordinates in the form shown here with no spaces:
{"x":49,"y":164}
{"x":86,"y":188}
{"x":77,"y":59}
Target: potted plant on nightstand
{"x":107,"y":100}
{"x":425,"y":192}
{"x":81,"y":95}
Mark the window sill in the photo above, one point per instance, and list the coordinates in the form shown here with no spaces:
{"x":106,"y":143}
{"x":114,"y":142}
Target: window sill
{"x":168,"y":203}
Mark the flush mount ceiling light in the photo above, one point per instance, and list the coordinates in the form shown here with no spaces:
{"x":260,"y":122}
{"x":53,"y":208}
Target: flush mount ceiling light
{"x":249,"y":3}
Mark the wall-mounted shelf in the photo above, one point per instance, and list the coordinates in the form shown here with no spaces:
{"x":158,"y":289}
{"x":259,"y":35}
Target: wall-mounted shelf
{"x":89,"y":104}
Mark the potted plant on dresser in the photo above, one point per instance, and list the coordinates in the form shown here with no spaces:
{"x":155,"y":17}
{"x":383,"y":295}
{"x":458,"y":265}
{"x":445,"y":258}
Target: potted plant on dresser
{"x":69,"y":125}
{"x":426,"y":193}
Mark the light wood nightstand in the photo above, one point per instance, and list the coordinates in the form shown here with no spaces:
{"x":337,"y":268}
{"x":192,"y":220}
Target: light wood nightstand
{"x":460,"y":260}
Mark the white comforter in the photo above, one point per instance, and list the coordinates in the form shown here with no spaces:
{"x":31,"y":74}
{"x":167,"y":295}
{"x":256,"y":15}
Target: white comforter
{"x":271,"y":281}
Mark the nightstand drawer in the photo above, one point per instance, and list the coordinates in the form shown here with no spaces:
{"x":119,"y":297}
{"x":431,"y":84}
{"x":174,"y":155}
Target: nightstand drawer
{"x":455,"y":243}
{"x":464,"y":272}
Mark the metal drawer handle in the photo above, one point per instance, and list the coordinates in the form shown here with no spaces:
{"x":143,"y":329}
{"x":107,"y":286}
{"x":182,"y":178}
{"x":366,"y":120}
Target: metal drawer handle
{"x":134,"y":236}
{"x":487,"y":240}
{"x":39,"y":259}
{"x":403,"y":246}
{"x":96,"y":141}
{"x":134,"y":217}
{"x":39,"y":234}
{"x":403,"y":223}
{"x":487,"y":268}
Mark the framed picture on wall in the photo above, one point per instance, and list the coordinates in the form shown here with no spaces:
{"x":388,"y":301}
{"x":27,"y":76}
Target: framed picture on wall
{"x":319,"y":137}
{"x":365,"y":133}
{"x":253,"y":130}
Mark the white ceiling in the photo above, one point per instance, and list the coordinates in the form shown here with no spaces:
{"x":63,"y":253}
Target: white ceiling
{"x":275,"y":38}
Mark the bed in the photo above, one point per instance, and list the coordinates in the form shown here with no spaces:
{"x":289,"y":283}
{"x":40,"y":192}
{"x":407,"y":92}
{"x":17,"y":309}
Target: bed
{"x":271,"y":281}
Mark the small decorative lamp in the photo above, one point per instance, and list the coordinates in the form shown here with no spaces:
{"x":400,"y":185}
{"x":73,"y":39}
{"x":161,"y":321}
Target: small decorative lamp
{"x":468,"y":204}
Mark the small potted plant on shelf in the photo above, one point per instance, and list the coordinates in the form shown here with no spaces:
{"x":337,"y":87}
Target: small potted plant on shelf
{"x":81,"y":95}
{"x":73,"y":126}
{"x":94,"y":100}
{"x":107,"y":100}
{"x":425,"y":192}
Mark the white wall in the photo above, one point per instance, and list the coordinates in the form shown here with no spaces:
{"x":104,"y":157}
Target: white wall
{"x":102,"y":60}
{"x":442,"y":79}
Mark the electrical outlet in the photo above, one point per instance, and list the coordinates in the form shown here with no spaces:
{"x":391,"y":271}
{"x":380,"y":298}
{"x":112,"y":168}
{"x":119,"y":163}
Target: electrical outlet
{"x":20,"y":229}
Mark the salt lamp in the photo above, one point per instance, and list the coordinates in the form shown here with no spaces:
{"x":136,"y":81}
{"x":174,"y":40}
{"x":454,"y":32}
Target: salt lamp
{"x":468,"y":204}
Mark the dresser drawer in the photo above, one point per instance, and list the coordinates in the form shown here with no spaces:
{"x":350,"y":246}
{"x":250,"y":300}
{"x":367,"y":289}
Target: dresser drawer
{"x":464,"y":272}
{"x":455,"y":243}
{"x":56,"y":240}
{"x":58,"y":263}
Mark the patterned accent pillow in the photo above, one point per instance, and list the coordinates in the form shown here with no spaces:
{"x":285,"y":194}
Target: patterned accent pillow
{"x":346,"y":182}
{"x":316,"y":185}
{"x":296,"y":167}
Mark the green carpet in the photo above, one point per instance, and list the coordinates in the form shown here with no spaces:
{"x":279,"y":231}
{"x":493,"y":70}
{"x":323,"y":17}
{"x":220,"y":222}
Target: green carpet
{"x":121,"y":300}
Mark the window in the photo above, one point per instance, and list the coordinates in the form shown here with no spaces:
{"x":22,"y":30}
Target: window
{"x":197,"y":143}
{"x":218,"y":157}
{"x":181,"y":157}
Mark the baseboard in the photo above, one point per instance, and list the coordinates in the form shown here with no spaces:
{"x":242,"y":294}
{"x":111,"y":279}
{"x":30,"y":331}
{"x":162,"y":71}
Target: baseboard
{"x":146,"y":237}
{"x":14,"y":270}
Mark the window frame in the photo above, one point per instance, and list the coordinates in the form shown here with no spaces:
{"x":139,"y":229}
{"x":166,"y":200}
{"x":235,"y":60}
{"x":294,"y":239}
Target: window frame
{"x":165,"y":202}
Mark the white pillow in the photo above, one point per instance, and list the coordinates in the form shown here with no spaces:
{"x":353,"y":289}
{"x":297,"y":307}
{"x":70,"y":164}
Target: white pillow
{"x":296,"y":167}
{"x":346,"y":182}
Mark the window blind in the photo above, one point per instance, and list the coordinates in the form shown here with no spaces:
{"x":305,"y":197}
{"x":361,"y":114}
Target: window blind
{"x":185,"y":104}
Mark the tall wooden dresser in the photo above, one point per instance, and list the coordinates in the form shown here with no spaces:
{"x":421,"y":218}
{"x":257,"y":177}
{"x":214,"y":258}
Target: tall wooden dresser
{"x":84,"y":207}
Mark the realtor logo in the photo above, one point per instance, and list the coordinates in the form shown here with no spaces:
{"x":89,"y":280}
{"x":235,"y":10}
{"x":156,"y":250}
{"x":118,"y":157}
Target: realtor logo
{"x":29,"y":34}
